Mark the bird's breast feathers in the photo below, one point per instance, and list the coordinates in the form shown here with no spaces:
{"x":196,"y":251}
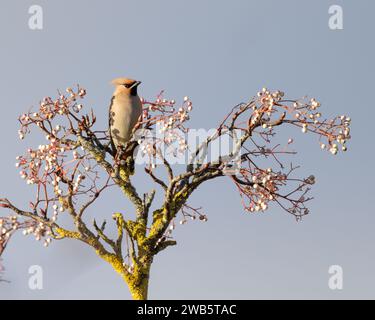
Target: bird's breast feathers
{"x":124,"y":113}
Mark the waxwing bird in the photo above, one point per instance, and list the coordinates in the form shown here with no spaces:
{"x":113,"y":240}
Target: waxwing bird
{"x":124,"y":111}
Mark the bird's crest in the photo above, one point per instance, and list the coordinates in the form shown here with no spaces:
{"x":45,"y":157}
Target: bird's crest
{"x":122,"y":81}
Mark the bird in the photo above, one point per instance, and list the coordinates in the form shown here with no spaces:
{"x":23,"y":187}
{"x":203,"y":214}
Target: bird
{"x":124,"y":111}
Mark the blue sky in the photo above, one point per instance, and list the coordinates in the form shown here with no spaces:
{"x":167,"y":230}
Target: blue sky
{"x":219,"y":54}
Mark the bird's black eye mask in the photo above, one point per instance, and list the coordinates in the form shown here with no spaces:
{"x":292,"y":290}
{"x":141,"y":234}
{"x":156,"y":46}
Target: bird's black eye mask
{"x":132,"y":87}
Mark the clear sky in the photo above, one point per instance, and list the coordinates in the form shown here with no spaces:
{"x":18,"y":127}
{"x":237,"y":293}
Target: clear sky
{"x":219,"y":53}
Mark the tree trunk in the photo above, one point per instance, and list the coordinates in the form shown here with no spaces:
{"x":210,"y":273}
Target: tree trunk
{"x":138,"y":279}
{"x":138,"y":284}
{"x":140,"y":291}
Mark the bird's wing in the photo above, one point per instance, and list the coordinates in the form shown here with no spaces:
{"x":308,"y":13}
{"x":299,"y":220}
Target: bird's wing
{"x":110,"y":123}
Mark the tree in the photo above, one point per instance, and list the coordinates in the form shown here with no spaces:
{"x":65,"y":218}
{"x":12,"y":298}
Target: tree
{"x":77,"y":165}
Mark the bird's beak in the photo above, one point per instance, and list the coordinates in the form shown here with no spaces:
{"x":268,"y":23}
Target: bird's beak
{"x":136,"y":84}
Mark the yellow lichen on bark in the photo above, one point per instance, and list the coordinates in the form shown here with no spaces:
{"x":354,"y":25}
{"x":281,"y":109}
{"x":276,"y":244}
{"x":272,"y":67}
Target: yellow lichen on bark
{"x":159,"y":220}
{"x":136,"y":230}
{"x":67,"y":233}
{"x":137,"y":283}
